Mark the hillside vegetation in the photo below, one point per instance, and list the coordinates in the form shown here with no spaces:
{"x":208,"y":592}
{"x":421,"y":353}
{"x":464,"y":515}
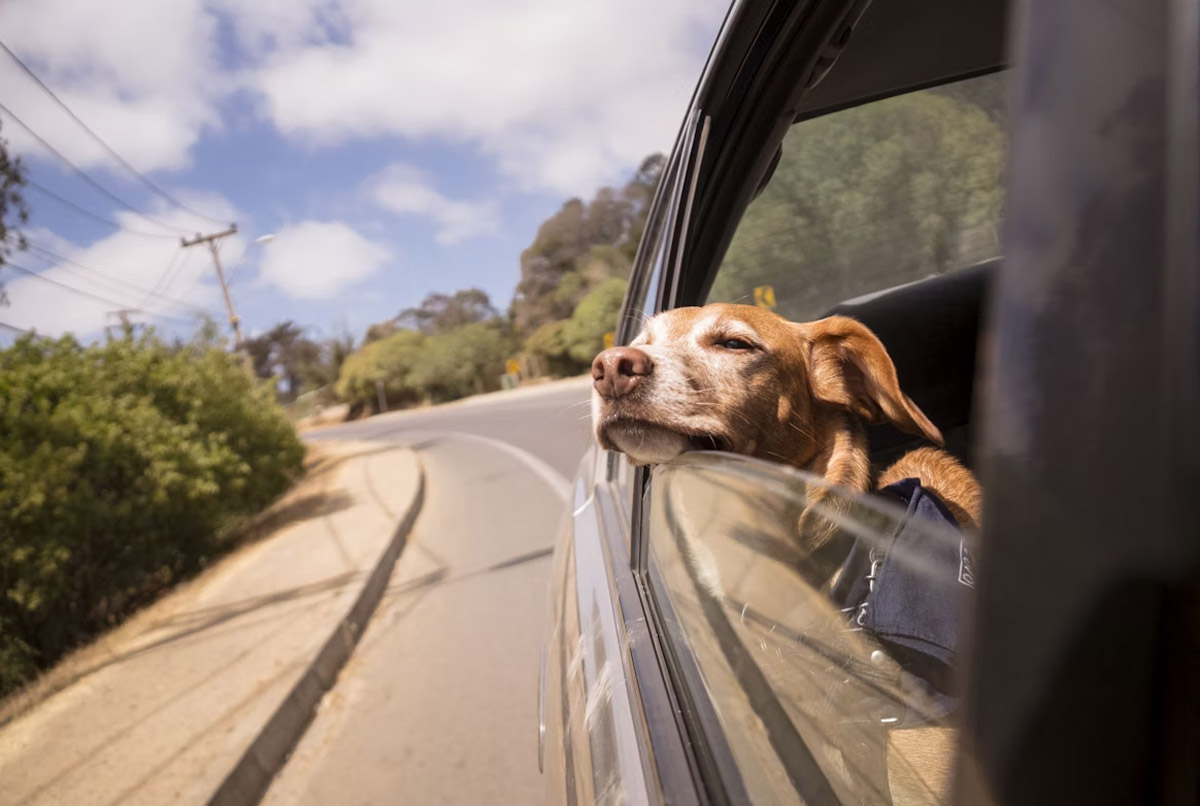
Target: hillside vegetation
{"x":122,"y":467}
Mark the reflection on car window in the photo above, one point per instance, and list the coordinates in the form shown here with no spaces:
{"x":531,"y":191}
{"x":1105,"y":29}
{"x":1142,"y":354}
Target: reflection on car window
{"x":873,"y":197}
{"x":819,"y":699}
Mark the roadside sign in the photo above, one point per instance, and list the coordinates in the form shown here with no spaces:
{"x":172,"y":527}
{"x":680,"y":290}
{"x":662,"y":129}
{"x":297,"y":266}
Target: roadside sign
{"x":608,"y":339}
{"x":512,"y":366}
{"x":764,"y":297}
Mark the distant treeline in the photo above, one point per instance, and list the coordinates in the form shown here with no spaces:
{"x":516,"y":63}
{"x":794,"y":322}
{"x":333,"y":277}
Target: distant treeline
{"x":573,"y":279}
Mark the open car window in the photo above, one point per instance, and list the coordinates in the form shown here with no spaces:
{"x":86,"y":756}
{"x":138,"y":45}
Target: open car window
{"x":872,"y":197}
{"x":825,"y":670}
{"x":807,"y":688}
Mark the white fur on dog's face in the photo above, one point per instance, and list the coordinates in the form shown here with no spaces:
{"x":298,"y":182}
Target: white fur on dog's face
{"x":711,"y":368}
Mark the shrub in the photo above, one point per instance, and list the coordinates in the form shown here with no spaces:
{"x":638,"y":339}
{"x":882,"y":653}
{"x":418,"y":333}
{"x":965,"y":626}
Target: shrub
{"x":412,"y":365}
{"x":547,"y":344}
{"x":596,"y":314}
{"x":121,"y":464}
{"x":457,"y":363}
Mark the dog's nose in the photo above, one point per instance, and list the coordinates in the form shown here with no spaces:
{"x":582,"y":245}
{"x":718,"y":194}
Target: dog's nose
{"x":618,"y":370}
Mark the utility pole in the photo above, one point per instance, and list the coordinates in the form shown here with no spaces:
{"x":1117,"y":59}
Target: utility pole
{"x":122,"y":316}
{"x":211,"y":242}
{"x":382,"y":397}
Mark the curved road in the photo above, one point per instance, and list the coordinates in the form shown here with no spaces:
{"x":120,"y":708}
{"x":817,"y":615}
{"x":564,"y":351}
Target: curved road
{"x":438,"y":705}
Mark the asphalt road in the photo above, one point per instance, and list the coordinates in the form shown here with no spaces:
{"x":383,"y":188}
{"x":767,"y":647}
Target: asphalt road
{"x":439,"y":703}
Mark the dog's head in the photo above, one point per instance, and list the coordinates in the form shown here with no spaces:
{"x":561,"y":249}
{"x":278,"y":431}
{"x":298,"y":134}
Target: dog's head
{"x":742,"y":379}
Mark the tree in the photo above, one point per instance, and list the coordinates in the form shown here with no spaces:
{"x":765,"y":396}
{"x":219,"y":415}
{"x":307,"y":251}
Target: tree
{"x":440,"y":313}
{"x":457,"y":363}
{"x":639,"y":192}
{"x":597,"y":314}
{"x":286,"y":353}
{"x":334,"y":352}
{"x":581,"y":246}
{"x":389,"y":360}
{"x":868,"y":198}
{"x":548,"y":344}
{"x":13,"y":211}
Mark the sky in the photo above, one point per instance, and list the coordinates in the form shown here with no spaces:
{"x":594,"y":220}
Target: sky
{"x":392,"y":147}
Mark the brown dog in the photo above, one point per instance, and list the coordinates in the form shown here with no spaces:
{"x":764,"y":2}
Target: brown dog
{"x":742,"y":379}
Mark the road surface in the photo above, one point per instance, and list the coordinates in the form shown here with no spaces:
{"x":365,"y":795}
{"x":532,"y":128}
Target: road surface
{"x":438,"y":705}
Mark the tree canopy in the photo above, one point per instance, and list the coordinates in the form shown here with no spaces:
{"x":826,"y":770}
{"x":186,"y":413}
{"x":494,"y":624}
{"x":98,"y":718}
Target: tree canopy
{"x":580,"y":247}
{"x":872,"y":197}
{"x":441,"y":313}
{"x":13,"y":212}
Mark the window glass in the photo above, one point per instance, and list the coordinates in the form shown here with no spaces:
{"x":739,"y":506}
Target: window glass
{"x":873,"y":197}
{"x":821,"y":692}
{"x":642,"y":304}
{"x":647,"y":272}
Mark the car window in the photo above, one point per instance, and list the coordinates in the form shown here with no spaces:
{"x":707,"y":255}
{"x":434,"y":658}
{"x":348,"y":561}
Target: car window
{"x":648,"y":264}
{"x":642,"y":303}
{"x":817,"y":696}
{"x":873,"y":197}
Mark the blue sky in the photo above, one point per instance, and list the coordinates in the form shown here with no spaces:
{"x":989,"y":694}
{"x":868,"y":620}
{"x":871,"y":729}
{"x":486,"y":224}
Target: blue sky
{"x":392,"y":148}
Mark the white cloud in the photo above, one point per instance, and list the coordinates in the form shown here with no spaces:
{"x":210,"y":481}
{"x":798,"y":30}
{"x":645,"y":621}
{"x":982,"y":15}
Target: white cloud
{"x":563,"y":95}
{"x":406,"y":190}
{"x":123,"y":269}
{"x":142,"y":74}
{"x":317,"y":259}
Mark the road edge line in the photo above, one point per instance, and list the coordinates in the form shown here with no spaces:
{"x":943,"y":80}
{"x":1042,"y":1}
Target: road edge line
{"x":555,"y":480}
{"x":247,"y":782}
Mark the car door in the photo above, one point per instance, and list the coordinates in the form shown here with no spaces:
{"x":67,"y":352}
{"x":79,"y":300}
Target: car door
{"x":605,"y":734}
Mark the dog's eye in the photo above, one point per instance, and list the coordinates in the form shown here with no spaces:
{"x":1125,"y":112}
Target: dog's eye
{"x":735,"y":344}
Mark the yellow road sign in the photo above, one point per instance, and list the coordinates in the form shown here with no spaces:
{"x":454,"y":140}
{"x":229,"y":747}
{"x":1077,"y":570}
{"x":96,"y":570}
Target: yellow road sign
{"x":764,"y":297}
{"x":608,"y":339}
{"x":512,"y":367}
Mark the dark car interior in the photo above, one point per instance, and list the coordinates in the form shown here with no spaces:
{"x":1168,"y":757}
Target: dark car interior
{"x":931,"y":331}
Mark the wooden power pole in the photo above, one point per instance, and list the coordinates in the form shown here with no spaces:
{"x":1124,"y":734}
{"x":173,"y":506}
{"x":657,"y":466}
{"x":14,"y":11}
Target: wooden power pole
{"x":211,"y":242}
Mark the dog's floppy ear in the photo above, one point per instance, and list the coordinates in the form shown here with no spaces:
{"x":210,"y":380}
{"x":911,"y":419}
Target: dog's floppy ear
{"x":850,"y":368}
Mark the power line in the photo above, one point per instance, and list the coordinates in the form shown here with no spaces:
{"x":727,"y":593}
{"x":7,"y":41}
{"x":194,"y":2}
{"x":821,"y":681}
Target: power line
{"x":171,"y":267}
{"x":109,"y":149}
{"x":236,"y":271}
{"x":88,"y":213}
{"x":82,"y":292}
{"x":84,"y":174}
{"x":113,"y":280}
{"x":166,"y":278}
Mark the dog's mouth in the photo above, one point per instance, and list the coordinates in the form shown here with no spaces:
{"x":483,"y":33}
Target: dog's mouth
{"x":651,"y":442}
{"x":708,"y":442}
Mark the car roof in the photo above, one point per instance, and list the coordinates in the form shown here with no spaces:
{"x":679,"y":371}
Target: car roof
{"x":897,"y":47}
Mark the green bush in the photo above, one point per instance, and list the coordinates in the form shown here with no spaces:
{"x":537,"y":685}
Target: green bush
{"x":548,"y":345}
{"x":456,"y":363}
{"x":596,"y":314}
{"x":389,"y":359}
{"x":121,"y":464}
{"x":413,"y":366}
